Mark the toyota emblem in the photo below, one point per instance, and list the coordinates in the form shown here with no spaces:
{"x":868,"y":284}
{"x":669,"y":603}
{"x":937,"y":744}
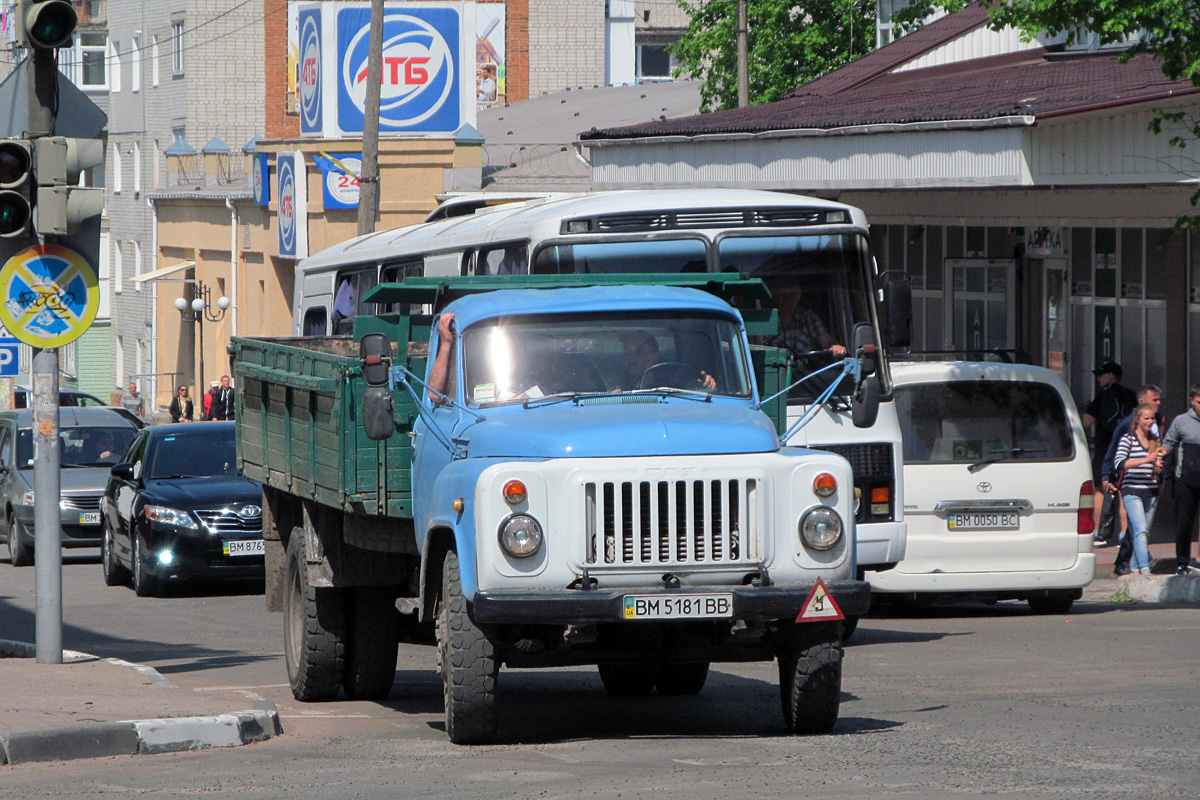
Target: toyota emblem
{"x":255,"y":511}
{"x":984,"y":487}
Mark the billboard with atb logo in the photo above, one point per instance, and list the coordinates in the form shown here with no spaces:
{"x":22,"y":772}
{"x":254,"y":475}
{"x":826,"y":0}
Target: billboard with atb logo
{"x":428,"y":77}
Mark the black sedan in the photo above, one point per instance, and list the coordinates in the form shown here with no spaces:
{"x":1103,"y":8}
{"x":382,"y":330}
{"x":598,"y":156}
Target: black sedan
{"x":176,"y":508}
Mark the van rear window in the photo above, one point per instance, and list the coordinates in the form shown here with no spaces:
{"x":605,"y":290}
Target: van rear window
{"x":971,"y":421}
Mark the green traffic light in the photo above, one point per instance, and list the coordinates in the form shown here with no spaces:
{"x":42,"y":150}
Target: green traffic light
{"x":50,"y":24}
{"x":14,"y":213}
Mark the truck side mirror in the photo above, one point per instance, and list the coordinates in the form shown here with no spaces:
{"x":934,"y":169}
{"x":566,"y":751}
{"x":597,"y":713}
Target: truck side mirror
{"x":897,"y":304}
{"x":864,"y":406}
{"x":864,"y":348}
{"x":377,"y":419}
{"x":375,"y":352}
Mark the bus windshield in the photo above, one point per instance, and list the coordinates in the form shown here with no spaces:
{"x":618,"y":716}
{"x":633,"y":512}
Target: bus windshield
{"x":819,"y":284}
{"x":517,"y":359}
{"x":657,"y":255}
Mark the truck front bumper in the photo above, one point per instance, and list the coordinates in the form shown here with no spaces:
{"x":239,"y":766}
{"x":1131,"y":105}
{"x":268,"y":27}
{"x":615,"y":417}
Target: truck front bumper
{"x":578,"y":606}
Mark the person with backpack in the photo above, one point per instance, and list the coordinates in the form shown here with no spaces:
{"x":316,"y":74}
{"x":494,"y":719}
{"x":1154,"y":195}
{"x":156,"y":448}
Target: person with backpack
{"x":1112,"y":402}
{"x":1113,"y":509}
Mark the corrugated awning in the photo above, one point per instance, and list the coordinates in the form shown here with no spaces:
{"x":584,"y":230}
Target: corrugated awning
{"x":163,"y":272}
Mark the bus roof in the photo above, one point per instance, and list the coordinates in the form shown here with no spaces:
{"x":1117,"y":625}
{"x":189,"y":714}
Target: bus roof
{"x":637,"y":210}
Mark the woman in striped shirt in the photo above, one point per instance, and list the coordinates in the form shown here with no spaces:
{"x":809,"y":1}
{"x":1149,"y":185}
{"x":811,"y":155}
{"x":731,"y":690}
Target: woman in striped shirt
{"x":1139,"y":462}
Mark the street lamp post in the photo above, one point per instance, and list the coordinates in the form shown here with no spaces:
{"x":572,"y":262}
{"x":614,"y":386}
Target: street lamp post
{"x":198,"y":308}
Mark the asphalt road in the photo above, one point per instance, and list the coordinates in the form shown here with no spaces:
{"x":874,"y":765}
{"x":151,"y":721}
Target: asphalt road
{"x":940,"y":703}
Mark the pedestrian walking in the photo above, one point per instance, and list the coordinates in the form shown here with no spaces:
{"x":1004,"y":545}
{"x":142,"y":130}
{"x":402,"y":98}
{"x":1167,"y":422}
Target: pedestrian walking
{"x":182,"y":407}
{"x":222,"y":402}
{"x":133,"y":401}
{"x":1138,"y":464}
{"x":1113,"y":509}
{"x":1182,"y":446}
{"x":1112,"y":402}
{"x":206,"y":412}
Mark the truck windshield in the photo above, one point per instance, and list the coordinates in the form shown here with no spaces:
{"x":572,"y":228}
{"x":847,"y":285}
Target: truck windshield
{"x":517,"y":359}
{"x":819,"y":285}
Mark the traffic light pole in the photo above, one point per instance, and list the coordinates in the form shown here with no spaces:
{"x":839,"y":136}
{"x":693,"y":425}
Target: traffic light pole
{"x":47,"y":482}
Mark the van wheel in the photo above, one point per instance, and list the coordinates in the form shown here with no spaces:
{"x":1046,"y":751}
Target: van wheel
{"x":468,"y":663}
{"x":315,"y":623}
{"x":681,"y":679}
{"x":145,"y":584}
{"x":115,"y":573}
{"x":810,"y":680}
{"x":19,"y":553}
{"x":628,"y":680}
{"x":373,"y":644}
{"x":1053,"y":603}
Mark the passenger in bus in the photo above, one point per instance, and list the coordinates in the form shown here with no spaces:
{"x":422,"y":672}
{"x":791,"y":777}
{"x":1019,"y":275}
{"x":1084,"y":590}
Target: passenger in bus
{"x":643,"y":365}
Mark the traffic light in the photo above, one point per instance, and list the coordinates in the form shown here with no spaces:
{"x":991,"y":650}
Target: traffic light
{"x":16,"y":187}
{"x":45,"y":24}
{"x":61,"y":205}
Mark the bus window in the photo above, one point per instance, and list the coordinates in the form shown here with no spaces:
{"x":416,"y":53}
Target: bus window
{"x":507,"y":259}
{"x":669,"y":255}
{"x":347,"y":300}
{"x":314,"y":322}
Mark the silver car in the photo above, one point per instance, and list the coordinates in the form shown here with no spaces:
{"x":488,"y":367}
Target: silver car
{"x":92,"y":440}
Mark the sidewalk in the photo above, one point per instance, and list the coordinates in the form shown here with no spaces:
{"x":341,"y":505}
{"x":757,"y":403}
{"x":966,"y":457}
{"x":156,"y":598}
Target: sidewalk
{"x":88,"y":707}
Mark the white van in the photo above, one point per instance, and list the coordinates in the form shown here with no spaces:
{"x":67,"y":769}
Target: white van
{"x":997,"y":486}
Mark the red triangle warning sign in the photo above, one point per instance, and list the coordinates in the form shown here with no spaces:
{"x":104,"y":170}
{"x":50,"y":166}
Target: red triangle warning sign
{"x":820,"y":606}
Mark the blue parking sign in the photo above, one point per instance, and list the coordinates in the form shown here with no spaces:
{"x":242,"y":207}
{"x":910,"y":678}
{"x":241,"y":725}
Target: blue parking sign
{"x":10,"y":358}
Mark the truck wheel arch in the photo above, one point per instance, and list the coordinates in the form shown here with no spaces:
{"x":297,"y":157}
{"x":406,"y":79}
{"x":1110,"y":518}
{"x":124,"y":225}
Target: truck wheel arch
{"x":438,"y":542}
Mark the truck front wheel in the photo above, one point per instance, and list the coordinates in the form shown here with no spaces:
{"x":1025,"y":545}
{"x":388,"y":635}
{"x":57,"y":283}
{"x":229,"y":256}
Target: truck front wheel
{"x":468,"y":663}
{"x":810,"y":680}
{"x":315,"y":644}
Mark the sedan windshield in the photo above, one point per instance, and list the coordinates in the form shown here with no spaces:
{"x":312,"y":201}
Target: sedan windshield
{"x":80,"y":447}
{"x":193,"y":454}
{"x":518,"y":359}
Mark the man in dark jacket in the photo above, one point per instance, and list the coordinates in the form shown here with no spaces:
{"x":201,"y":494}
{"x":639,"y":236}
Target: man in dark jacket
{"x":1110,"y":404}
{"x":1147,"y":394}
{"x":222,"y":403}
{"x":1182,"y":442}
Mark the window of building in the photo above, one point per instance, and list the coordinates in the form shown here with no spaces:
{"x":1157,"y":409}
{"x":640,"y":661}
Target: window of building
{"x":135,"y":65}
{"x":154,"y":60}
{"x":137,"y":167}
{"x":116,"y":165}
{"x":103,"y":276}
{"x":157,"y":168}
{"x":119,"y":362}
{"x":177,"y":47}
{"x":137,"y":262}
{"x":117,"y":269}
{"x":92,"y":54}
{"x":654,"y":63}
{"x":114,"y":61}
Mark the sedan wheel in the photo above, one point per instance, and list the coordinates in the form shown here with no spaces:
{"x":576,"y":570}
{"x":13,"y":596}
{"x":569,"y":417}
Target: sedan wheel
{"x":20,"y":554}
{"x":144,"y":583}
{"x":115,"y":573}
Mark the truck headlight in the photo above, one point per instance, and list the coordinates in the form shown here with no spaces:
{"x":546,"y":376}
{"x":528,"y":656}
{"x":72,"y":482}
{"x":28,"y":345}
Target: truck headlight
{"x":821,"y":528}
{"x":520,"y":535}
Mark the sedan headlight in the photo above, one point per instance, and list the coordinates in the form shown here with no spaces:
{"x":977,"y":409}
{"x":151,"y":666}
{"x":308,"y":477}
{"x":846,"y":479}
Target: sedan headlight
{"x":27,"y":498}
{"x":169,"y":516}
{"x":520,"y":536}
{"x":821,"y":528}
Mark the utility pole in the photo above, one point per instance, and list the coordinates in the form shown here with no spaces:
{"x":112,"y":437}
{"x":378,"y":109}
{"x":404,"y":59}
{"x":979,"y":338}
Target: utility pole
{"x":743,"y":56}
{"x":368,"y":182}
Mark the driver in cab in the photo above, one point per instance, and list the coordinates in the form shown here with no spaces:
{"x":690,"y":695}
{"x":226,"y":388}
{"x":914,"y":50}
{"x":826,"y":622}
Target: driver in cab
{"x":644,"y":369}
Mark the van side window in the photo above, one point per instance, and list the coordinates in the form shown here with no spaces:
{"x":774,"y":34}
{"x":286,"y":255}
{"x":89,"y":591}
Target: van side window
{"x":507,"y":259}
{"x":314,"y":322}
{"x":347,"y":298}
{"x":5,"y":447}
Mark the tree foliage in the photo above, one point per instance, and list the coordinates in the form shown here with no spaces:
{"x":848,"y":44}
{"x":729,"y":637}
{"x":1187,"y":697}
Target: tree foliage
{"x":790,"y":42}
{"x":1166,"y":29}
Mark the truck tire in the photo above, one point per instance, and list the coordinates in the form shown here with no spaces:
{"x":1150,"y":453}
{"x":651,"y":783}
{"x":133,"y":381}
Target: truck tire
{"x":373,"y":644}
{"x":810,"y":681}
{"x":681,"y":679}
{"x":628,"y":680}
{"x":1053,"y":603}
{"x":19,"y":553}
{"x":314,"y":644}
{"x":467,"y":661}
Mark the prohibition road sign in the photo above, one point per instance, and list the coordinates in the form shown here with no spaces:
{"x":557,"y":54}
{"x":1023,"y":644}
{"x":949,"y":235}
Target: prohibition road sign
{"x":50,"y":295}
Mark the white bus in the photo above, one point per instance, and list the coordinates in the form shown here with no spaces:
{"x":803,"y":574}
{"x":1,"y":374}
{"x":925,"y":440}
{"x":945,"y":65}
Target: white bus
{"x":813,"y":254}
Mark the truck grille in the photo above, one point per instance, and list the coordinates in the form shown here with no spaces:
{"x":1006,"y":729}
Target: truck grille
{"x":226,"y":520}
{"x":664,"y":522}
{"x":78,"y":502}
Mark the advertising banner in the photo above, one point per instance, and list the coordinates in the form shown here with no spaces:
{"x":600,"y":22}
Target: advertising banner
{"x":261,"y":174}
{"x":292,"y":212}
{"x":339,"y":179}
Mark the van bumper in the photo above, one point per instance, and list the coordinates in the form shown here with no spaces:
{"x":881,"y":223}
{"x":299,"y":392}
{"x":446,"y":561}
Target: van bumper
{"x":577,"y":606}
{"x":1077,"y":576}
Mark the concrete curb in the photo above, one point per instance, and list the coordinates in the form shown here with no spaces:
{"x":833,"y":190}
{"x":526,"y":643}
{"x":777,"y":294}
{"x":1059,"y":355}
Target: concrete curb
{"x":133,"y":737}
{"x":1162,"y":588}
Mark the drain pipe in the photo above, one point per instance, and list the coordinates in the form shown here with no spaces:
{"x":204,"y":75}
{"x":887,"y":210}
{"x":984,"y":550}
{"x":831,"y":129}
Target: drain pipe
{"x":153,"y":307}
{"x":233,"y":267}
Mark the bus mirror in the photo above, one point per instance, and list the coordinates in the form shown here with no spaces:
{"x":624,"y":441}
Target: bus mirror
{"x":897,"y":301}
{"x":375,"y":352}
{"x":864,"y":407}
{"x":864,"y":348}
{"x":378,"y":422}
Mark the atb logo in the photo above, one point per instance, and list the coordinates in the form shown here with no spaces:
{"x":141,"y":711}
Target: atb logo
{"x":418,"y":69}
{"x":310,"y":72}
{"x":287,"y":206}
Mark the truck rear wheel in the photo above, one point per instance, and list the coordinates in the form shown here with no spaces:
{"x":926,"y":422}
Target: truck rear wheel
{"x":681,"y":679}
{"x":810,"y":681}
{"x":467,"y":661}
{"x":373,"y":644}
{"x":628,"y":680}
{"x":315,"y":643}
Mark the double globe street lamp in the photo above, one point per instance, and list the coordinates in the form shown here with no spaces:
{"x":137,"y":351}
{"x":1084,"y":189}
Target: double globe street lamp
{"x":197,"y":308}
